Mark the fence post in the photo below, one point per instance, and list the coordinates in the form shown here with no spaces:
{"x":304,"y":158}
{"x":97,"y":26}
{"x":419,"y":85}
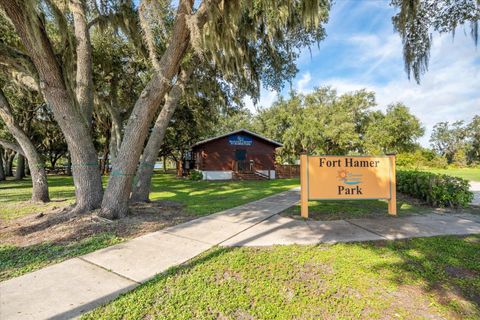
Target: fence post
{"x":392,"y":203}
{"x":304,"y":185}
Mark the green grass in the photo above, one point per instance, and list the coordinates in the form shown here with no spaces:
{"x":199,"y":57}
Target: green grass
{"x":15,"y":196}
{"x":15,"y":261}
{"x":206,"y":197}
{"x":199,"y":197}
{"x":414,"y":279}
{"x":351,"y":209}
{"x":472,"y":174}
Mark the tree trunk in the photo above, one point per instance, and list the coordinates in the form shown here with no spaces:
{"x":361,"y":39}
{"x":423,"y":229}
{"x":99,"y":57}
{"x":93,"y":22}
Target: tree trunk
{"x":116,"y":128}
{"x":27,"y":168}
{"x":104,"y":168}
{"x":53,"y":162}
{"x":179,"y":169}
{"x":164,"y":164}
{"x":117,"y":194}
{"x":20,"y":171}
{"x":115,"y":134}
{"x":150,"y":153}
{"x":84,"y":75}
{"x":9,"y":164}
{"x":86,"y":175}
{"x":2,"y":169}
{"x":37,"y":167}
{"x":69,"y":166}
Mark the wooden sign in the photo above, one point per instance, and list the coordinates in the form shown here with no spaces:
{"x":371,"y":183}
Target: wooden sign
{"x":347,"y":178}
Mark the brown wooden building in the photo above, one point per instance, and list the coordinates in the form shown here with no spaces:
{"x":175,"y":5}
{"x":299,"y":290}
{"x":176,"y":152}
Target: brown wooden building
{"x":240,"y":154}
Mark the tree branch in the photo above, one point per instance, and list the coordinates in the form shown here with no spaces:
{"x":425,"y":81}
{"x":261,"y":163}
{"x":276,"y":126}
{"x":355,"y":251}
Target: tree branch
{"x":12,"y":146}
{"x":148,"y":36}
{"x":17,"y":59}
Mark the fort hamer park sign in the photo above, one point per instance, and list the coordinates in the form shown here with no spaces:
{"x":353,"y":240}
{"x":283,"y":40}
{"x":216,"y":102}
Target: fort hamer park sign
{"x":347,"y":178}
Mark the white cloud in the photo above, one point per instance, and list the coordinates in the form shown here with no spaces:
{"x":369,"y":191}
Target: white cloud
{"x":301,"y":85}
{"x":267,"y":97}
{"x":449,"y":91}
{"x":362,"y":51}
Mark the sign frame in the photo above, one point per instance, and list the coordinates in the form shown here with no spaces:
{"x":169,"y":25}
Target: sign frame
{"x":304,"y":184}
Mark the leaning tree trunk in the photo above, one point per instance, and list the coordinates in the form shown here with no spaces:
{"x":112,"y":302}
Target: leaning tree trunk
{"x":2,"y":169}
{"x":9,"y":164}
{"x":115,"y":133}
{"x":69,"y":166}
{"x":150,"y":153}
{"x":86,"y":174}
{"x":27,"y":168}
{"x":37,"y":167}
{"x":84,"y":74}
{"x":117,"y":194}
{"x":20,"y":171}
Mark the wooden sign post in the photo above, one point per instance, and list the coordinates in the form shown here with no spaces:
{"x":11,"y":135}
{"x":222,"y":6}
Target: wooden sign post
{"x":347,"y":178}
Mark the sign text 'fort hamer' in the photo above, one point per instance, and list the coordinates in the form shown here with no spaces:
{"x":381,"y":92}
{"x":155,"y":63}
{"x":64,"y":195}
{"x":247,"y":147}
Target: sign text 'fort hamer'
{"x":348,"y":178}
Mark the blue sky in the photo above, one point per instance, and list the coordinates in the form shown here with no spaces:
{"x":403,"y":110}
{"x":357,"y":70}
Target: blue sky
{"x":362,"y":51}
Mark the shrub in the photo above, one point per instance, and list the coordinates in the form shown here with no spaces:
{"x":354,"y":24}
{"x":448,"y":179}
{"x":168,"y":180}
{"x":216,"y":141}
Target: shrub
{"x":421,"y":158}
{"x":407,"y":160}
{"x":195,"y":175}
{"x":438,"y":162}
{"x":438,"y":190}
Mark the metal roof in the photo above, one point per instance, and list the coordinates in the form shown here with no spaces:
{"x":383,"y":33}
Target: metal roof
{"x":238,"y":131}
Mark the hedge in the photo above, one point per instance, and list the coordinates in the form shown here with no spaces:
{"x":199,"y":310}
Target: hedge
{"x":438,"y":190}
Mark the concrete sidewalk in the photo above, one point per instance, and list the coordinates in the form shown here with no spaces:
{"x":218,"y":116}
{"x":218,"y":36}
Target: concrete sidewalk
{"x":279,"y":230}
{"x":70,"y":288}
{"x":475,"y":188}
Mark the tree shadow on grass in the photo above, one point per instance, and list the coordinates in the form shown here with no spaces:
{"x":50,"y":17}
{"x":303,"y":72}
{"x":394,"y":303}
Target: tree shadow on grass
{"x":447,"y":267}
{"x":15,"y":261}
{"x":55,"y":237}
{"x":441,"y":267}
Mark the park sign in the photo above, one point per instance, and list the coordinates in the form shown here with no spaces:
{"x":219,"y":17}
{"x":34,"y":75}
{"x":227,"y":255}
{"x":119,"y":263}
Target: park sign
{"x":347,"y":178}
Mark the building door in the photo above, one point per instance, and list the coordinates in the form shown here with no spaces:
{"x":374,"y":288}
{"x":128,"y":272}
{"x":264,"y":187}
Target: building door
{"x":242,"y":164}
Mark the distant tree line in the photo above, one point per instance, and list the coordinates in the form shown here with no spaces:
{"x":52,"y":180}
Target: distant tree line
{"x":457,"y":142}
{"x":324,"y":122}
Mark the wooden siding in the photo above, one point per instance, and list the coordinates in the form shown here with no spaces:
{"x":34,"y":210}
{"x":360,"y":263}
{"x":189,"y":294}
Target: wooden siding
{"x":219,"y":155}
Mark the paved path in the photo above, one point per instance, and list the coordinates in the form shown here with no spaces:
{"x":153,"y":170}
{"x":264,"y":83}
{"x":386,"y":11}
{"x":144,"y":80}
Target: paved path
{"x":284,"y":231}
{"x":70,"y":288}
{"x":475,"y":188}
{"x":67,"y":289}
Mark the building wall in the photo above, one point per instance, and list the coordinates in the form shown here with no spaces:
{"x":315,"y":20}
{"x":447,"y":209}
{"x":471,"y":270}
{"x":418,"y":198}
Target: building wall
{"x":217,"y":175}
{"x":228,"y":175}
{"x":219,"y":155}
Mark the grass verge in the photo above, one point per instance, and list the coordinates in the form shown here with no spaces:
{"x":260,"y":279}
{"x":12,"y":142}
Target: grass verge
{"x":31,"y":240}
{"x":15,"y":261}
{"x":420,"y":278}
{"x":472,"y":174}
{"x":198,"y":197}
{"x":352,"y":209}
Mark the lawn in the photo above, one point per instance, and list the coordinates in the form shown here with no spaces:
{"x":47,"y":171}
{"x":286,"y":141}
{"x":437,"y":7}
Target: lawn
{"x":351,"y":209}
{"x":199,"y":197}
{"x":434,"y":278}
{"x":15,"y":260}
{"x":472,"y":174}
{"x":30,"y":246}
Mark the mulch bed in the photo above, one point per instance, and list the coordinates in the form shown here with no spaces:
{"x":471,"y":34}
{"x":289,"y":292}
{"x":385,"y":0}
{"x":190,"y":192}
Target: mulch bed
{"x":59,"y":225}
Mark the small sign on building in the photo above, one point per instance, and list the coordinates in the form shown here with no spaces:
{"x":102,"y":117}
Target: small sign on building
{"x":240,"y":140}
{"x":347,"y":178}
